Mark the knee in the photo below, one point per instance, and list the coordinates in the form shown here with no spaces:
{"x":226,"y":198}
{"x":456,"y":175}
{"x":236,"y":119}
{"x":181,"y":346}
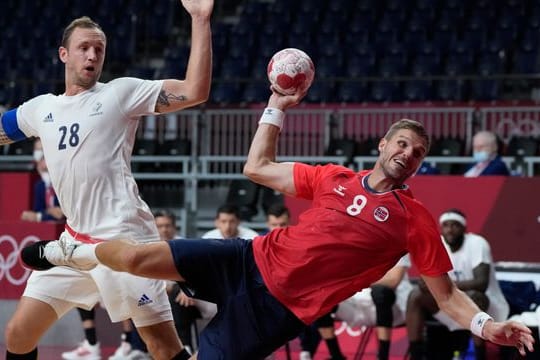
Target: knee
{"x":17,"y":339}
{"x":383,"y":295}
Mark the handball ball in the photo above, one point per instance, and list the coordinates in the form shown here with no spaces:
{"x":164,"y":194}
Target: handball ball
{"x":290,"y":70}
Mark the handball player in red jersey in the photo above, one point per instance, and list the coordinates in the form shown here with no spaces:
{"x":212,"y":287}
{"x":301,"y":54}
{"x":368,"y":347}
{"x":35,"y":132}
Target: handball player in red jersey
{"x":359,"y":225}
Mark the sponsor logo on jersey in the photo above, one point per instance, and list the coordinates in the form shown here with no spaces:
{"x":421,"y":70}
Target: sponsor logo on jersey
{"x":48,"y":118}
{"x":96,"y":109}
{"x":144,"y":300}
{"x":381,"y":214}
{"x":339,"y":190}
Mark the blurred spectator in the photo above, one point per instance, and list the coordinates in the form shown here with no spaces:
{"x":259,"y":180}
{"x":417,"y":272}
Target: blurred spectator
{"x":427,"y":169}
{"x":46,"y":206}
{"x":277,"y":216}
{"x":228,"y":225}
{"x":485,"y":154}
{"x":473,"y":273}
{"x":382,"y":305}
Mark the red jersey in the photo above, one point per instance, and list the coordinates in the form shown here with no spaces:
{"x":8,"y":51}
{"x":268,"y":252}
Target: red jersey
{"x":349,"y":238}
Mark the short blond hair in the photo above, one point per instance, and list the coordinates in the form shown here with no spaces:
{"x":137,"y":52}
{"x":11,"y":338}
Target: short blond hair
{"x":83,"y":22}
{"x":412,"y":125}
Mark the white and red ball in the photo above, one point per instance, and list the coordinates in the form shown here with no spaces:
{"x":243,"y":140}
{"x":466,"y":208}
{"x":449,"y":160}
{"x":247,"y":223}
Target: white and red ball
{"x":290,"y":70}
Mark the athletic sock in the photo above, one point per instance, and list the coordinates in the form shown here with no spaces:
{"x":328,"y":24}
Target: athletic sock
{"x":182,"y":355}
{"x":32,"y":355}
{"x":90,"y":334}
{"x":333,"y":347}
{"x":87,"y":253}
{"x":384,"y":350}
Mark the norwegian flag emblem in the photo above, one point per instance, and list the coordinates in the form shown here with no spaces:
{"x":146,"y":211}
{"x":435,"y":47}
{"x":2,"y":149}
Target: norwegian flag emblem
{"x":381,"y":214}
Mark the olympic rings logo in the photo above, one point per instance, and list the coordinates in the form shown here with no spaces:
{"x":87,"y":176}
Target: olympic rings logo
{"x":506,"y":128}
{"x":10,"y":262}
{"x":344,"y":328}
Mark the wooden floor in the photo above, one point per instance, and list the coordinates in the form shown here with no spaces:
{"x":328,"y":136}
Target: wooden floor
{"x":349,"y":345}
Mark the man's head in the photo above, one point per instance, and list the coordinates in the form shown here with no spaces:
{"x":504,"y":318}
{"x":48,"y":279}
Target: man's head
{"x":166,"y":225}
{"x":277,"y":216}
{"x":228,"y":220}
{"x":83,"y":52}
{"x":453,"y":225}
{"x":484,"y":146}
{"x":402,"y":150}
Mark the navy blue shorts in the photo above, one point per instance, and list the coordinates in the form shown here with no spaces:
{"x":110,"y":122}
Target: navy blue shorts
{"x":250,"y":323}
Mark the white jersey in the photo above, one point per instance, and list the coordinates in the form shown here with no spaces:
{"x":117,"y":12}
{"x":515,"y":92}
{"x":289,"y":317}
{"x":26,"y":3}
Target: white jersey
{"x":243,"y":233}
{"x":87,"y":141}
{"x":475,"y":251}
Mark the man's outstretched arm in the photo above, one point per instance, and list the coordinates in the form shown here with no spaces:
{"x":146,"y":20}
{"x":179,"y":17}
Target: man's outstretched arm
{"x":261,"y":166}
{"x":195,"y":88}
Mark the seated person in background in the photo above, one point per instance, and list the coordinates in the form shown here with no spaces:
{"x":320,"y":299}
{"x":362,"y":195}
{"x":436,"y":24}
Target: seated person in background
{"x":473,"y":273}
{"x":46,"y":206}
{"x":487,"y":160}
{"x":184,"y":309}
{"x":277,"y":216}
{"x":382,"y":305}
{"x":228,"y":225}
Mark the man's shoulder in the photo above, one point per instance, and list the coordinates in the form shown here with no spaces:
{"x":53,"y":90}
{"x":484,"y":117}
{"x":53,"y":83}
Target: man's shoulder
{"x":476,"y":239}
{"x":246,"y":233}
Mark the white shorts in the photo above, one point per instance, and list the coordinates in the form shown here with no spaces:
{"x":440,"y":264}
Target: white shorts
{"x":123,"y":295}
{"x":359,"y":310}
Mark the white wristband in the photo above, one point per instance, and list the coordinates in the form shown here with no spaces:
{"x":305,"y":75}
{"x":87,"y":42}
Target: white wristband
{"x":477,"y":323}
{"x":272,"y":116}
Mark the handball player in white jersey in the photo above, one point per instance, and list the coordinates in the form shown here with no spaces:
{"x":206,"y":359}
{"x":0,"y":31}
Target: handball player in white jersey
{"x":88,"y":134}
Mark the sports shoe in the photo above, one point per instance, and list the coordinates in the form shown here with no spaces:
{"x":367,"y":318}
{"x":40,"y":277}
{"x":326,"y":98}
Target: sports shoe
{"x":305,"y":355}
{"x":122,"y":352}
{"x":46,"y":254}
{"x":84,"y":351}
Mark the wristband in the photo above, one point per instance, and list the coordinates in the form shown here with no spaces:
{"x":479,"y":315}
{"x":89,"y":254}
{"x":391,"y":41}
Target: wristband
{"x":272,"y":116}
{"x":478,"y":322}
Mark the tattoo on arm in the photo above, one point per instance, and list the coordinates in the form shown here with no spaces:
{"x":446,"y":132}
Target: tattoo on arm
{"x":165,"y":98}
{"x":4,"y":139}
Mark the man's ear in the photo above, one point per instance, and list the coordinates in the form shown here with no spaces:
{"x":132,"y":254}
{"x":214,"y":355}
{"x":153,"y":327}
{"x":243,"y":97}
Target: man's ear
{"x":382,"y":144}
{"x":62,"y":54}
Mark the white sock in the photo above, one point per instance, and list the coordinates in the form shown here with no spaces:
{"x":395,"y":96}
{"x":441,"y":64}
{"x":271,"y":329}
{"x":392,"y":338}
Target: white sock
{"x":86,"y":252}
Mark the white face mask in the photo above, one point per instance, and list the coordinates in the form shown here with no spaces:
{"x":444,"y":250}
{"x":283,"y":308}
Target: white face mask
{"x":45,"y":177}
{"x":38,"y":155}
{"x":480,"y":156}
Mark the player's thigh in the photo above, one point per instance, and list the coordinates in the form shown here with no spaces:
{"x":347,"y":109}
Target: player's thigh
{"x":30,"y":321}
{"x":250,"y":326}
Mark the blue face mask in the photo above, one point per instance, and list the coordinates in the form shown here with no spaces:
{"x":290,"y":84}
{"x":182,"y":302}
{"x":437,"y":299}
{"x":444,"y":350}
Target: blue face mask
{"x":480,"y":156}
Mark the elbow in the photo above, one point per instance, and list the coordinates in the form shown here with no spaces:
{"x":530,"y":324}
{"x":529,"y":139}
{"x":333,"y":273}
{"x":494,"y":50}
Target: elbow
{"x":250,"y":171}
{"x":201,"y":96}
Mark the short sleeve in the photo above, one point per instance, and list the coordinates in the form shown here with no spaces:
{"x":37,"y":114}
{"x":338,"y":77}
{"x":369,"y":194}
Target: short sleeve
{"x":480,"y":252}
{"x":28,"y":114}
{"x":137,"y":97}
{"x":424,"y":242}
{"x":308,"y":177}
